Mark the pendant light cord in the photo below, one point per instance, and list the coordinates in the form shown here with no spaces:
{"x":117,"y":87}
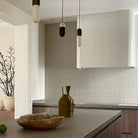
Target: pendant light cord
{"x":62,"y":10}
{"x":79,"y":13}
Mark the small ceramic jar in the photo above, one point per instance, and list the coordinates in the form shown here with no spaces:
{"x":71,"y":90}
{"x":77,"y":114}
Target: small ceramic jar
{"x":9,"y":103}
{"x":1,"y":105}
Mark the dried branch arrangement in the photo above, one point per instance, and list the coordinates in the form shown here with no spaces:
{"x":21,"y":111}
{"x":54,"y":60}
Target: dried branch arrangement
{"x":7,"y":72}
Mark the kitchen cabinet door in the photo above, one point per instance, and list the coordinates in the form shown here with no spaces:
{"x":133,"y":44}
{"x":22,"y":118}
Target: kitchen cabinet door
{"x":107,"y":40}
{"x":130,"y":123}
{"x":113,"y":131}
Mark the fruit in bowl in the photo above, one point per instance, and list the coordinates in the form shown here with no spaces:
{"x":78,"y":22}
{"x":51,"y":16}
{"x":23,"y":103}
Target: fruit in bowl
{"x":36,"y":118}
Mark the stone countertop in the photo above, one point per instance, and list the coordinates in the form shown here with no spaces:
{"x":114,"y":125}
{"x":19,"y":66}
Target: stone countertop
{"x":85,"y":123}
{"x":43,"y":103}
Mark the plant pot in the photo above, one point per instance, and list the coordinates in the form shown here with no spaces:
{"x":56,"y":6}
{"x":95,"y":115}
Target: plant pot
{"x":9,"y":103}
{"x":1,"y":105}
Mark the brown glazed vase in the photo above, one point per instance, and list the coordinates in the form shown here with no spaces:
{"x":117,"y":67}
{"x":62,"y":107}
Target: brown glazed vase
{"x":64,"y":106}
{"x":72,"y":101}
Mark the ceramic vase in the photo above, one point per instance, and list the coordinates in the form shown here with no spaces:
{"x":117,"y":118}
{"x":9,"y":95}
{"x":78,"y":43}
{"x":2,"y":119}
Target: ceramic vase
{"x":64,"y":105}
{"x":1,"y":105}
{"x":9,"y":103}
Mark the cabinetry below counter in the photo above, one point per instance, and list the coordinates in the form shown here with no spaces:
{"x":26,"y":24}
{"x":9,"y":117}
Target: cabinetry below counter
{"x":129,"y":123}
{"x":112,"y":131}
{"x":44,"y":109}
{"x":6,"y":115}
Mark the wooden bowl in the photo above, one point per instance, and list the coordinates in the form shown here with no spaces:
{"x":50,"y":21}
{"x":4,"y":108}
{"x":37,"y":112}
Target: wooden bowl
{"x":48,"y":122}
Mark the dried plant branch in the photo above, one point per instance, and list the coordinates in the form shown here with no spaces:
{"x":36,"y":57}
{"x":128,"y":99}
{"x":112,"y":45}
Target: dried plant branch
{"x":7,"y":71}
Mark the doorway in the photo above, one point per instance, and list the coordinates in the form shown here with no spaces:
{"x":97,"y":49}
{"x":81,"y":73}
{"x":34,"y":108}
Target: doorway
{"x":14,"y":57}
{"x":7,"y":71}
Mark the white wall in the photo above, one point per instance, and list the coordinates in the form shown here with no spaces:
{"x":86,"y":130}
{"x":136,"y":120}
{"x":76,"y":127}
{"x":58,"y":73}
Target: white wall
{"x":21,"y":67}
{"x":89,"y":85}
{"x":38,"y":59}
{"x":6,"y":41}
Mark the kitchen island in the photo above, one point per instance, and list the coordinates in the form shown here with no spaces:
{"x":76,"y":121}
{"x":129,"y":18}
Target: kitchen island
{"x":85,"y":123}
{"x":129,"y":113}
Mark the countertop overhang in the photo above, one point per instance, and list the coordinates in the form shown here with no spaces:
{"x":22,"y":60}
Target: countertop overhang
{"x":85,"y":123}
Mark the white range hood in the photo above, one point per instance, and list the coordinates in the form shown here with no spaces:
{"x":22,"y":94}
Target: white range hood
{"x":108,"y":40}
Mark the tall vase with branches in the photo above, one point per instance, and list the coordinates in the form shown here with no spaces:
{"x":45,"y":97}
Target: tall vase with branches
{"x":7,"y":72}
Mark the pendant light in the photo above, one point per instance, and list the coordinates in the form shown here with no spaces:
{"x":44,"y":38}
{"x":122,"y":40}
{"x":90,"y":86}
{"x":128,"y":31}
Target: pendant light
{"x":62,"y":26}
{"x":79,"y":30}
{"x":36,"y":6}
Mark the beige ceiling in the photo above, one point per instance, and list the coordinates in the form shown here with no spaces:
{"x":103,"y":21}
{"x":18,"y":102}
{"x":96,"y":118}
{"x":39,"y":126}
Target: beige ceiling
{"x":51,"y":9}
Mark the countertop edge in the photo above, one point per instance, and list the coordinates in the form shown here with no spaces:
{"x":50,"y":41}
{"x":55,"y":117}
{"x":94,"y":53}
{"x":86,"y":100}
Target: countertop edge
{"x":90,"y":106}
{"x":101,"y":128}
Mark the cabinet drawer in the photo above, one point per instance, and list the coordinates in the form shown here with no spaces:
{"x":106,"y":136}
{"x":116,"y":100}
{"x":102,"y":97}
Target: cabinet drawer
{"x":130,"y":123}
{"x":113,"y":131}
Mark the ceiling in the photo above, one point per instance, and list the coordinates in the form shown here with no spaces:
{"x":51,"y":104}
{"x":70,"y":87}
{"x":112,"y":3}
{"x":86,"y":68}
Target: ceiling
{"x":50,"y":10}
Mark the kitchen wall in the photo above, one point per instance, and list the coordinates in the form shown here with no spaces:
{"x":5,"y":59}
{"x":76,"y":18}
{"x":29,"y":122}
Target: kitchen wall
{"x":6,"y":41}
{"x":38,"y":80}
{"x":114,"y":85}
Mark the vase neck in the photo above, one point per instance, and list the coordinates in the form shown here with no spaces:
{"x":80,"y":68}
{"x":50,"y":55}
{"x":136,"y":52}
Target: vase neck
{"x":67,"y":89}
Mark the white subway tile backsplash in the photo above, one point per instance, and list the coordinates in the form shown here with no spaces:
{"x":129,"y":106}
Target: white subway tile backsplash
{"x":95,"y":86}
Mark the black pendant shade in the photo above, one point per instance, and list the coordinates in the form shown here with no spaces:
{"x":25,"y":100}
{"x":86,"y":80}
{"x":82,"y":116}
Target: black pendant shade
{"x":35,"y":2}
{"x":79,"y":32}
{"x":62,"y":31}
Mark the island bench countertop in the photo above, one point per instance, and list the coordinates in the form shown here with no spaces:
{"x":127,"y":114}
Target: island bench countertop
{"x":85,"y":123}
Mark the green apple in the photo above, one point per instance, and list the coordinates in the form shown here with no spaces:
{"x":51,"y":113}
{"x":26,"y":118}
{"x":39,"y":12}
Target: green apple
{"x":3,"y":128}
